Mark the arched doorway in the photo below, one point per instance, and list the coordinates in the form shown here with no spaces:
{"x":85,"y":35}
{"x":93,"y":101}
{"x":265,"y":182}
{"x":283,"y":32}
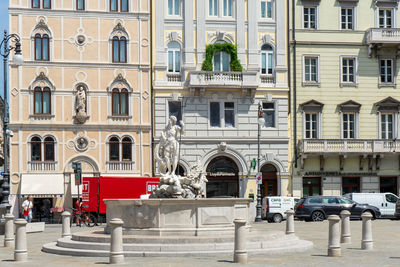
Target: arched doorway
{"x":269,"y":185}
{"x":223,"y":178}
{"x":180,"y":170}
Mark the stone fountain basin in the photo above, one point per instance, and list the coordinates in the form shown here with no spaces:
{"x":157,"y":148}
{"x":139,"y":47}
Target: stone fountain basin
{"x":172,"y":217}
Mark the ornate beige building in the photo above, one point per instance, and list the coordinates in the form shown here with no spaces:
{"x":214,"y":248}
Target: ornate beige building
{"x":82,"y":94}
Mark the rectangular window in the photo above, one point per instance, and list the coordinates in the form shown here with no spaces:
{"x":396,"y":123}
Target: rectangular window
{"x":173,"y":7}
{"x":124,"y":5}
{"x":349,"y":125}
{"x":215,"y":117}
{"x":229,"y":114}
{"x":386,"y":70}
{"x":113,"y":5}
{"x":385,"y":18}
{"x":35,"y":3}
{"x":80,"y":4}
{"x":213,"y":8}
{"x":347,"y":18}
{"x":310,"y":17}
{"x":311,"y":69}
{"x":348,"y":70}
{"x":387,"y":126}
{"x":38,"y":102}
{"x":311,"y":125}
{"x":175,"y":109}
{"x":47,"y":4}
{"x":269,"y":114}
{"x":228,"y":8}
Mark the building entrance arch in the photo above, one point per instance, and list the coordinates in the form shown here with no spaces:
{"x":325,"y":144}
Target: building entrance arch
{"x":269,"y":186}
{"x":223,"y":177}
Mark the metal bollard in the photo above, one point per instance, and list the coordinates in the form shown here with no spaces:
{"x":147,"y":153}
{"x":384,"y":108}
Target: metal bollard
{"x":9,"y":231}
{"x":367,"y":242}
{"x":289,"y":222}
{"x":66,"y":224}
{"x":20,"y":251}
{"x":334,"y":236}
{"x":116,"y":246}
{"x":240,"y":252}
{"x":346,"y":235}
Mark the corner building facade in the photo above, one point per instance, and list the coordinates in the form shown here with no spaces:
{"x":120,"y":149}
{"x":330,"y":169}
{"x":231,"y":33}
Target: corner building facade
{"x":217,"y":97}
{"x":83,"y":95}
{"x":346,"y":119}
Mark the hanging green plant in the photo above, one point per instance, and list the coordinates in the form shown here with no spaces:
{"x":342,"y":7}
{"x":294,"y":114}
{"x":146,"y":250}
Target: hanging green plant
{"x":231,"y":49}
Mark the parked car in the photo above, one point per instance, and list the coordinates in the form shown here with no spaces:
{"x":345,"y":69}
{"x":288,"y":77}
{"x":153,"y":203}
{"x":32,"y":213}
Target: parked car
{"x":318,"y":208}
{"x":397,"y":209}
{"x":273,"y":208}
{"x":385,"y":202}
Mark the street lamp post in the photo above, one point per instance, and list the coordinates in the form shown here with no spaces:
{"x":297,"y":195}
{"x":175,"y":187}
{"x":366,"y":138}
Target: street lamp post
{"x":261,"y":122}
{"x":18,"y":60}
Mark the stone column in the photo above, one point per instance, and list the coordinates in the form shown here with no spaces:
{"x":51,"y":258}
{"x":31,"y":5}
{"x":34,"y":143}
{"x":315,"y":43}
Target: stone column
{"x":240,"y":252}
{"x":289,"y":222}
{"x":20,"y":251}
{"x":334,"y":236}
{"x":9,"y":231}
{"x":366,"y":242}
{"x":66,"y":224}
{"x":346,"y":235}
{"x":116,"y":246}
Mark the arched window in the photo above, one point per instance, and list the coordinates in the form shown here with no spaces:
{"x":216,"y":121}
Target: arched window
{"x":114,"y":149}
{"x":116,"y":4}
{"x":80,"y":4}
{"x":222,"y":61}
{"x":36,"y":149}
{"x":42,"y":100}
{"x":127,"y":149}
{"x":42,"y":47}
{"x":174,"y":57}
{"x":120,"y":104}
{"x":267,"y":59}
{"x":119,"y":49}
{"x":49,"y":149}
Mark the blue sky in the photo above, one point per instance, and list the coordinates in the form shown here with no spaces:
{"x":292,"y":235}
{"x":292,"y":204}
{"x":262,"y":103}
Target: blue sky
{"x":3,"y":26}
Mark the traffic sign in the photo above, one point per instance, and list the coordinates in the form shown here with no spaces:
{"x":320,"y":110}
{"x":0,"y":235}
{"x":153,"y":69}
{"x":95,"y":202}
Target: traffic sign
{"x":2,"y":173}
{"x":259,"y":178}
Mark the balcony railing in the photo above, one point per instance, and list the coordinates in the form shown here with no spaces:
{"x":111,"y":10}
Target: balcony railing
{"x":173,"y":77}
{"x":224,"y":79}
{"x":42,"y":166}
{"x":267,"y":79}
{"x":121,"y":166}
{"x":323,"y":146}
{"x":383,"y":35}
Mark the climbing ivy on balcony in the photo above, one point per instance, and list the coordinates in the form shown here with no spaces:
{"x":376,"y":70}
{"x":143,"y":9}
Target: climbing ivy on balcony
{"x":231,"y":49}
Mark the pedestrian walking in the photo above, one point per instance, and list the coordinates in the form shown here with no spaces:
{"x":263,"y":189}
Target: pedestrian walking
{"x":27,"y":207}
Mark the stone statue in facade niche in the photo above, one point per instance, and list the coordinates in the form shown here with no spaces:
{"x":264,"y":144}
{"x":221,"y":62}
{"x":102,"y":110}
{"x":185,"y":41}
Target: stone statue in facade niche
{"x":166,"y":153}
{"x":80,"y":104}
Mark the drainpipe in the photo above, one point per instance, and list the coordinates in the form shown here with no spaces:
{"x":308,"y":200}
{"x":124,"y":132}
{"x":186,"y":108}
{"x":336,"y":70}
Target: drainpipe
{"x":152,"y":90}
{"x":294,"y":86}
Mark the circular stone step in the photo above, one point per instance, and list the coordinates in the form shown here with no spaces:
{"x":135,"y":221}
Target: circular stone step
{"x":97,"y":244}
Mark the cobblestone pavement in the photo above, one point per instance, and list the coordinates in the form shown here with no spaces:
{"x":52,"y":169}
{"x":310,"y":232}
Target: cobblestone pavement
{"x":386,"y":234}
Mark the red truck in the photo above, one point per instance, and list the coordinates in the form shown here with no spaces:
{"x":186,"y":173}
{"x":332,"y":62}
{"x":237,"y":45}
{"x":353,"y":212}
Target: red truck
{"x":96,"y":189}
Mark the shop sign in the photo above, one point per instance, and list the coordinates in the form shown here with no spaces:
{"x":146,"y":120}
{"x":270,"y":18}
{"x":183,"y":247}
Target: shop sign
{"x":215,"y":174}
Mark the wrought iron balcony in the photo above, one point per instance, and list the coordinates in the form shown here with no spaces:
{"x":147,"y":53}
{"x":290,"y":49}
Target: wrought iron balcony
{"x":120,"y":166}
{"x":383,"y":36}
{"x":344,"y":146}
{"x":215,"y":79}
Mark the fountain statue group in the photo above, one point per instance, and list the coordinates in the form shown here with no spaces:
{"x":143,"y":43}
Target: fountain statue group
{"x":166,"y":153}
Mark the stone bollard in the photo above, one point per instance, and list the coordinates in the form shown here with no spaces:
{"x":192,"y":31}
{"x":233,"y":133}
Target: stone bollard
{"x":116,"y":246}
{"x":367,"y":242}
{"x":66,"y":224}
{"x":20,"y":251}
{"x":346,"y":235}
{"x":240,"y":252}
{"x":289,"y":222}
{"x":9,"y":231}
{"x":334,"y":236}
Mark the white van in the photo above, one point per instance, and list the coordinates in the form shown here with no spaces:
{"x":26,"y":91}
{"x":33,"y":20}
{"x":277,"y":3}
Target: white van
{"x":273,"y":208}
{"x":385,"y":202}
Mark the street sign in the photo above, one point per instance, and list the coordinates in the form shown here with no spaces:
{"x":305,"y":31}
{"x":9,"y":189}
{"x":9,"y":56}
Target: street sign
{"x":259,"y":178}
{"x":2,"y":173}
